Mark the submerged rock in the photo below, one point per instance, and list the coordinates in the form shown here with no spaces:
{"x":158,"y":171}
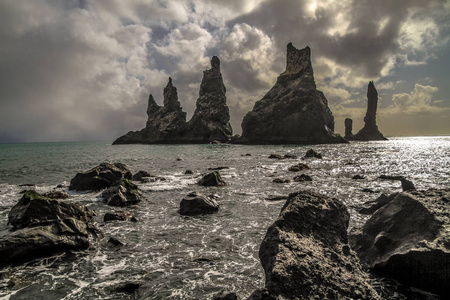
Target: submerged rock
{"x":43,"y":227}
{"x":293,"y":111}
{"x":225,"y":295}
{"x":56,"y":195}
{"x":122,"y":193}
{"x":370,"y":130}
{"x":100,"y":177}
{"x":117,"y":216}
{"x":298,"y":167}
{"x":302,"y":177}
{"x":313,"y":153}
{"x":305,"y":253}
{"x":212,"y":179}
{"x":141,"y":174}
{"x":196,"y":204}
{"x":408,"y":239}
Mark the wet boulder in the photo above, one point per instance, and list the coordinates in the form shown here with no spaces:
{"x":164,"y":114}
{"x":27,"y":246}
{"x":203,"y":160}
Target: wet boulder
{"x":117,"y":216}
{"x":305,"y":253}
{"x":408,"y":239}
{"x":302,"y":177}
{"x":100,"y":177}
{"x":298,"y":167}
{"x":275,"y":156}
{"x":196,"y":204}
{"x":212,"y":179}
{"x":141,"y":174}
{"x":225,"y":295}
{"x":122,"y":193}
{"x":372,"y":206}
{"x":56,"y":194}
{"x":311,"y":153}
{"x":43,"y":227}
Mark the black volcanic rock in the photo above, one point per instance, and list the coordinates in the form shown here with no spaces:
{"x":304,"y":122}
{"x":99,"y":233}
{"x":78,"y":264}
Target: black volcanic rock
{"x":305,"y":253}
{"x":43,"y":226}
{"x":211,"y":119}
{"x":293,"y":111}
{"x":408,"y":239}
{"x":370,"y":130}
{"x":348,"y":128}
{"x":167,"y":124}
{"x":100,"y":177}
{"x":197,"y":204}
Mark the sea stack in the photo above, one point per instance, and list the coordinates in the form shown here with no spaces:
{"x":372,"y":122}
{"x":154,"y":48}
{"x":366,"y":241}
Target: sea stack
{"x":293,"y":111}
{"x":211,"y":119}
{"x":348,"y":128}
{"x":370,"y":130}
{"x":167,"y":124}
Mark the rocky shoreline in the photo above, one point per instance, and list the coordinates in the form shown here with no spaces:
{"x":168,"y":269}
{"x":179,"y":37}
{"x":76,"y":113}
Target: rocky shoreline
{"x":306,"y":253}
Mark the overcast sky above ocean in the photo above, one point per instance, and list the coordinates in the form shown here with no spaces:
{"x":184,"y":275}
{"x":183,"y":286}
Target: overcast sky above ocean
{"x":83,"y":70}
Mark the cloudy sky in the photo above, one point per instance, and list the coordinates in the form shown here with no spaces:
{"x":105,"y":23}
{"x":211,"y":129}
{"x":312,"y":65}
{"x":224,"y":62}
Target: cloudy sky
{"x":80,"y":70}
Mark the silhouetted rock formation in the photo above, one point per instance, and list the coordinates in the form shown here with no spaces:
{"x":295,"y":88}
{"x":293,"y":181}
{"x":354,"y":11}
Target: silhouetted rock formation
{"x":167,"y":124}
{"x":370,"y":130}
{"x":348,"y":128}
{"x":211,"y":119}
{"x":293,"y":111}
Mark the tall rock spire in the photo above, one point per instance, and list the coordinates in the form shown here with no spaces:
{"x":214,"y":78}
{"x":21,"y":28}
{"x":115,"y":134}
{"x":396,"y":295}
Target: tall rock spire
{"x":293,"y":111}
{"x":370,"y":130}
{"x":211,"y":119}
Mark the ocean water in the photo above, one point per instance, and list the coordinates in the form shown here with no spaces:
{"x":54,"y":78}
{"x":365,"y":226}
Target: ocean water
{"x":178,"y":257}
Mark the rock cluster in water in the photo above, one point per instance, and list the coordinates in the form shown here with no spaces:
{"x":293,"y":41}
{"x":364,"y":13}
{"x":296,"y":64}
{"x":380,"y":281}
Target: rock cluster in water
{"x":43,"y":226}
{"x":167,"y":124}
{"x":293,"y":111}
{"x":370,"y":130}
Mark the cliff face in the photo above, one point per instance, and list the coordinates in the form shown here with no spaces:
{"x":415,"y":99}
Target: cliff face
{"x":293,"y":111}
{"x":167,"y":124}
{"x":370,"y":130}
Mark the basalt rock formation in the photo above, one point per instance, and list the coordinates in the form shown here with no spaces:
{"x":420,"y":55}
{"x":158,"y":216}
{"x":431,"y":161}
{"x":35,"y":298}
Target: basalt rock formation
{"x":370,"y":130}
{"x":348,"y":128}
{"x":167,"y":124}
{"x":211,"y":119}
{"x":293,"y":111}
{"x":408,"y":239}
{"x":305,"y":253}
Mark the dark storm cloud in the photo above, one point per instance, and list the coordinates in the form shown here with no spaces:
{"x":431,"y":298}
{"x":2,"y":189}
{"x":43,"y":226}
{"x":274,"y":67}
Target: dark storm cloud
{"x":83,"y":69}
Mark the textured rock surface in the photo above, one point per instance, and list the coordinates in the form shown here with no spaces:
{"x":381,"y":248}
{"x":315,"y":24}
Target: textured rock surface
{"x":211,"y":119}
{"x":167,"y":124}
{"x":305,"y":254}
{"x":196,"y":204}
{"x":293,"y":111}
{"x":212,"y":179}
{"x":100,"y":177}
{"x":348,"y":123}
{"x":408,"y":239}
{"x":370,"y":130}
{"x":44,"y":226}
{"x":122,"y":193}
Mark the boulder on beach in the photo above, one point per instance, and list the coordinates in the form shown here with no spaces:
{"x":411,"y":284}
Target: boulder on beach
{"x":225,"y":295}
{"x":122,"y":193}
{"x":100,"y":177}
{"x":408,"y":239}
{"x":305,"y":253}
{"x":196,"y":204}
{"x":212,"y":179}
{"x":372,"y":206}
{"x":43,"y":227}
{"x":293,"y":111}
{"x":302,"y":177}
